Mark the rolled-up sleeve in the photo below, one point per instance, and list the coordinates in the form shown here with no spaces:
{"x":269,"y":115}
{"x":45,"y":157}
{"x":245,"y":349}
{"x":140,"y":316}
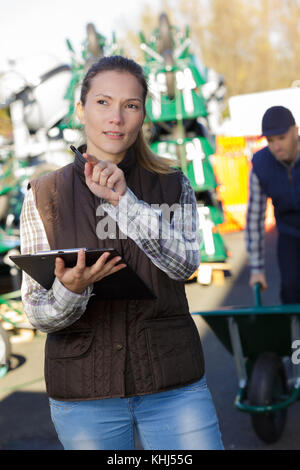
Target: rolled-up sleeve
{"x":255,"y":226}
{"x":56,"y":308}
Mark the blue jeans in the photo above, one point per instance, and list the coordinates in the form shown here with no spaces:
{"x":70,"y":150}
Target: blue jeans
{"x":180,"y":419}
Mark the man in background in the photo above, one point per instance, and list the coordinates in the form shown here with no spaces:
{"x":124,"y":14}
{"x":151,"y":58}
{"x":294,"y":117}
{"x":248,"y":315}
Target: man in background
{"x":276,"y":174}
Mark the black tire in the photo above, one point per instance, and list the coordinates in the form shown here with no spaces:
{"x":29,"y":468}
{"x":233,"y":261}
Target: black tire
{"x":268,"y":384}
{"x":4,"y":344}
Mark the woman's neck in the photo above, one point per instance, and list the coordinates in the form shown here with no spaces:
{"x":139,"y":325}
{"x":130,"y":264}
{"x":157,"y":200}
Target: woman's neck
{"x":92,"y":150}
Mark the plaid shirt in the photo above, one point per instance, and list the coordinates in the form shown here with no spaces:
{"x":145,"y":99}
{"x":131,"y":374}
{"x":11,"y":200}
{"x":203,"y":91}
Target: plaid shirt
{"x":177,"y":254}
{"x":255,"y":226}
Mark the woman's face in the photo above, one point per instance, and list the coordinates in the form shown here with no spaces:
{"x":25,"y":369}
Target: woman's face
{"x":112,"y":115}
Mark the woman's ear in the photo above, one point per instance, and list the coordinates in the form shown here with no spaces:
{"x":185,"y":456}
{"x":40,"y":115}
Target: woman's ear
{"x":80,"y":112}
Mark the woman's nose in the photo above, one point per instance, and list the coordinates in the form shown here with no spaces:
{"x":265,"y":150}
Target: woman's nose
{"x":116,"y":117}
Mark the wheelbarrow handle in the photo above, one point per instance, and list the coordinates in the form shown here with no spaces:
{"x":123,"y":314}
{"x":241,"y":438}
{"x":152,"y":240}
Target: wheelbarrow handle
{"x":257,"y":296}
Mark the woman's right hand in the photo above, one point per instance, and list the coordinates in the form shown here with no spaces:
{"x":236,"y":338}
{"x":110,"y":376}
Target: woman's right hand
{"x":104,"y":179}
{"x":78,"y":278}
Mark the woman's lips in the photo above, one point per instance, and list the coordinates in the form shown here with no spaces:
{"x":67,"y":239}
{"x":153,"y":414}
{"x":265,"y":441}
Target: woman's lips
{"x":114,"y":135}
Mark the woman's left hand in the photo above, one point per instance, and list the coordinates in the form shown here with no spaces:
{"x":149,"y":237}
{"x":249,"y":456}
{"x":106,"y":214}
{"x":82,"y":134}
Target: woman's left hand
{"x":105,"y":179}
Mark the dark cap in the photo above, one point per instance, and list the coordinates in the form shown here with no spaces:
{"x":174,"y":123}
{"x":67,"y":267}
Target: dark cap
{"x":277,"y":120}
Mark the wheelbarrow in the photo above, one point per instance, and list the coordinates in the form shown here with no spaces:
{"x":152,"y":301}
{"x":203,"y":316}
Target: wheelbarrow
{"x":260,"y":337}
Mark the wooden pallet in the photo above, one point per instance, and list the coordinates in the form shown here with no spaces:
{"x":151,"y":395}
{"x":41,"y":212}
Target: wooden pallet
{"x":211,"y":273}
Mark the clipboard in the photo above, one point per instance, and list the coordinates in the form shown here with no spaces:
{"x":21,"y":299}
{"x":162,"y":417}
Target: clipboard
{"x":125,"y":284}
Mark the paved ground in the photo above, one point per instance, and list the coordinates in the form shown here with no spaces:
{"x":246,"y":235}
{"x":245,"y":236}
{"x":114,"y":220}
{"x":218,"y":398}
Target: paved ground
{"x":24,"y":414}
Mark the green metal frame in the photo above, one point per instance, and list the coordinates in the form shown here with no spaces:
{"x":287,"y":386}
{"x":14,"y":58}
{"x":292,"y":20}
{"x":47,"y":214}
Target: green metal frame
{"x":241,"y":397}
{"x":171,"y":148}
{"x":5,"y":300}
{"x":3,"y":371}
{"x":187,"y":104}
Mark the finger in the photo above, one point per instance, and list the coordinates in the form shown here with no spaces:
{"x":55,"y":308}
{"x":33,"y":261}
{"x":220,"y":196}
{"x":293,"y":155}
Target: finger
{"x":112,"y":180}
{"x":105,"y":175}
{"x":121,"y":186}
{"x":101,"y":261}
{"x":118,"y":267}
{"x":111,"y":264}
{"x":80,"y":265}
{"x":95,"y":162}
{"x":90,"y":158}
{"x":96,"y":174}
{"x":88,"y":170}
{"x":98,"y":170}
{"x":102,"y":265}
{"x":59,"y":267}
{"x":112,"y":270}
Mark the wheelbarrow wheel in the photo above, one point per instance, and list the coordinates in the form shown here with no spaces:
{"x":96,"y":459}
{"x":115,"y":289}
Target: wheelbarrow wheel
{"x":268,"y":384}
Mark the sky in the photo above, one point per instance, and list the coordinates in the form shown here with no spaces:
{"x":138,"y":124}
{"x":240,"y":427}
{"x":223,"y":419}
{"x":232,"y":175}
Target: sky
{"x":36,"y":27}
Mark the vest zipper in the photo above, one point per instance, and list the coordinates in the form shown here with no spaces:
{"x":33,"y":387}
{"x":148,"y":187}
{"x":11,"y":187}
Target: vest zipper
{"x":291,"y":180}
{"x":290,"y":175}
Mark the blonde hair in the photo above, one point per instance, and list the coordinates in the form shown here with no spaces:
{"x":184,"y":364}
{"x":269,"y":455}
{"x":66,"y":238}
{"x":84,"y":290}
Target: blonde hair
{"x":149,"y":160}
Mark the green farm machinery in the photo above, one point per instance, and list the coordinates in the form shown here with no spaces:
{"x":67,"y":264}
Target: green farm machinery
{"x":177,"y":126}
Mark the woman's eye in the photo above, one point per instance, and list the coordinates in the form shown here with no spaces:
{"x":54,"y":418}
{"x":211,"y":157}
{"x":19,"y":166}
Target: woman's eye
{"x":101,"y":101}
{"x":133,"y":106}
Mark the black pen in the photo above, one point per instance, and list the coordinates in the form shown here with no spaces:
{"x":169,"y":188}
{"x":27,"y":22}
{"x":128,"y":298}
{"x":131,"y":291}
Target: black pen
{"x":90,"y":158}
{"x":74,"y":149}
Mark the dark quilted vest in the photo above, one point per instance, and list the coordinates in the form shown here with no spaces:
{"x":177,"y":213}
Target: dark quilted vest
{"x":117,"y":348}
{"x":281,"y":184}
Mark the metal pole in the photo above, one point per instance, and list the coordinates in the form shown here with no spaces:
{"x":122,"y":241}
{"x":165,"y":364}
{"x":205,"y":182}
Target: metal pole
{"x":238,"y":352}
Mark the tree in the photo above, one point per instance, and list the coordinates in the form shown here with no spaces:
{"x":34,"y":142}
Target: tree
{"x":254,"y":45}
{"x":289,"y":27}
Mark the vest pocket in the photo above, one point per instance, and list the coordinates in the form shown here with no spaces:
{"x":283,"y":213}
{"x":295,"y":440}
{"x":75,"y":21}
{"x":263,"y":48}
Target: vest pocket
{"x":67,"y":344}
{"x":175,"y":352}
{"x":69,"y":364}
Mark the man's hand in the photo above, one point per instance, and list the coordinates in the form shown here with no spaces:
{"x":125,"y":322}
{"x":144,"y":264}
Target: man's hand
{"x":78,"y":278}
{"x":259,"y":278}
{"x":105,"y":179}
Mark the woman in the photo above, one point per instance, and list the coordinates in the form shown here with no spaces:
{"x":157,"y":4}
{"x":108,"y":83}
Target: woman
{"x":112,"y":364}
